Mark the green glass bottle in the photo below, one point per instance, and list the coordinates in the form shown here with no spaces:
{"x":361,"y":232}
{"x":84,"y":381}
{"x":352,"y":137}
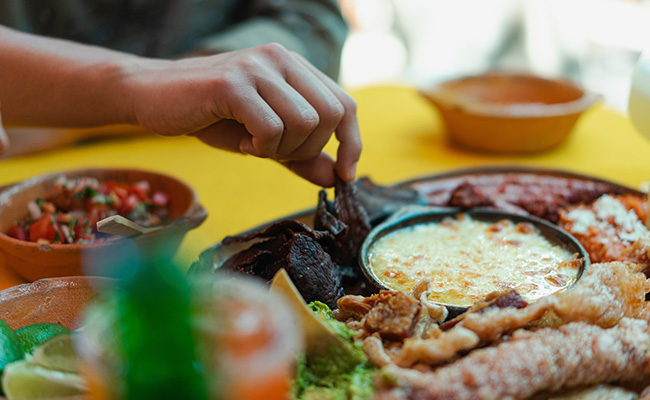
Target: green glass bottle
{"x":154,"y":323}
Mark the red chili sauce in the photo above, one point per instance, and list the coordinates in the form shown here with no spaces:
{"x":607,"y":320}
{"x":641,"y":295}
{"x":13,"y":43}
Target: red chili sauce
{"x":70,"y":214}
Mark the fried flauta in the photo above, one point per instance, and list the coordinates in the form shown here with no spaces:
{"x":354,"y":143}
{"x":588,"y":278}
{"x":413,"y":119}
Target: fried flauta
{"x":547,"y":359}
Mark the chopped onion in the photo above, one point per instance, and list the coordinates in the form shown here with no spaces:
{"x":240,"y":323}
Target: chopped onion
{"x":34,"y":210}
{"x":65,"y":231}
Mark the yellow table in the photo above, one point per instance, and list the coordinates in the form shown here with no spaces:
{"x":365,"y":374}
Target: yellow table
{"x":403,"y":139}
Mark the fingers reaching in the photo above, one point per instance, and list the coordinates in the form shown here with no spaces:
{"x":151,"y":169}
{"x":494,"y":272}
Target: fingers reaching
{"x":347,"y":130}
{"x":264,"y":101}
{"x":228,"y":134}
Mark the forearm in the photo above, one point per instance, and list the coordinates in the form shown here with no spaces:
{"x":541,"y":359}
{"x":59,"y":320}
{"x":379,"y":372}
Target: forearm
{"x":264,"y":101}
{"x":51,"y":82}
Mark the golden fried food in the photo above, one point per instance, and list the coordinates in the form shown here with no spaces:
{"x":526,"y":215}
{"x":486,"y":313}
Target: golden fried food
{"x":529,"y":362}
{"x":408,"y":326}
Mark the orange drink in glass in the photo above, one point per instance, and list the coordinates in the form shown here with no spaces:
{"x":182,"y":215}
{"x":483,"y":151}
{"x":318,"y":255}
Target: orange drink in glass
{"x":252,"y":338}
{"x":246,"y":342}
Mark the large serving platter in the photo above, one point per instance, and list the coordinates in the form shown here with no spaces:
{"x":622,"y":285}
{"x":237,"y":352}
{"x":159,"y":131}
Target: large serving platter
{"x":512,"y":183}
{"x":528,"y":190}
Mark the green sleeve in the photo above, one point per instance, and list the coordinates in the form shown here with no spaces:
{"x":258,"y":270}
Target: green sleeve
{"x":313,"y":28}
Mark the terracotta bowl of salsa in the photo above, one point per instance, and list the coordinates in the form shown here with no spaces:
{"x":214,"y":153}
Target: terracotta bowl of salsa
{"x":48,"y":223}
{"x":508,"y":112}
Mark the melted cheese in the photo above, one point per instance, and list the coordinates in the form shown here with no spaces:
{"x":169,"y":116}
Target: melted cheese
{"x":467,"y":259}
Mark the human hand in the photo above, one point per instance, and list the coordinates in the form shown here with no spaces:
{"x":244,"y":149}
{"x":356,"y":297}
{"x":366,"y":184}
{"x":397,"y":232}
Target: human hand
{"x":4,"y":140}
{"x":264,"y":101}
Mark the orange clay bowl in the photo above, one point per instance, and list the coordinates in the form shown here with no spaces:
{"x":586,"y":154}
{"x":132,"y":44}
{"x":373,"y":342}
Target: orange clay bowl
{"x":35,"y":261}
{"x":58,"y":300}
{"x":508,"y":113}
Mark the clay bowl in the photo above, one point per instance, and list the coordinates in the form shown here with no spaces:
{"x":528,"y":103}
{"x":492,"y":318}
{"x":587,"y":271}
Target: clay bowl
{"x":411,"y":216}
{"x":58,"y":300}
{"x":508,"y":113}
{"x":36,"y":261}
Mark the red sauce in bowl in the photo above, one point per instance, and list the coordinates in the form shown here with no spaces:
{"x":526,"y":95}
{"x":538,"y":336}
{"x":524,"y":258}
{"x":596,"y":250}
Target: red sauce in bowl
{"x":69,"y":215}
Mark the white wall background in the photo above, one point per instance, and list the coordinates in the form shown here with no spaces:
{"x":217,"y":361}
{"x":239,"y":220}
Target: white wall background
{"x":419,"y":42}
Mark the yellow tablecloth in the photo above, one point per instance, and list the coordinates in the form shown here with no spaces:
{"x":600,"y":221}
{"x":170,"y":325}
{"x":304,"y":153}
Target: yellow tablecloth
{"x":403,"y":138}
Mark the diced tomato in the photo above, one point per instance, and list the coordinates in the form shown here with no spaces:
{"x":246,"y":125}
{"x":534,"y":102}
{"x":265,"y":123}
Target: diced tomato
{"x":63,"y":218}
{"x":49,"y":208}
{"x":121,"y":192}
{"x":140,"y":189}
{"x":160,"y":199}
{"x":79,"y":231}
{"x":117,"y":202}
{"x":17,"y":232}
{"x":108,"y":187}
{"x":53,"y":234}
{"x":129,"y":204}
{"x":38,"y":230}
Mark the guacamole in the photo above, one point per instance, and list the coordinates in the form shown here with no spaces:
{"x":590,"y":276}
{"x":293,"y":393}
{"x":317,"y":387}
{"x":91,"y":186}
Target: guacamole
{"x":345,"y":374}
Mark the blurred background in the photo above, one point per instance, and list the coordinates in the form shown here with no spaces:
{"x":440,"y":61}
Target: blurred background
{"x":593,"y":43}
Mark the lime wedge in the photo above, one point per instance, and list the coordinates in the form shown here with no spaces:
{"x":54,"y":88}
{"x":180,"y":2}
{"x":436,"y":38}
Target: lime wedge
{"x":33,"y":335}
{"x":56,"y":353}
{"x":25,"y":380}
{"x":10,"y":347}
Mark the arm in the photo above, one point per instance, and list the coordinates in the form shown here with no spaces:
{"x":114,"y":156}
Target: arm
{"x":263,"y":101}
{"x":313,"y":28}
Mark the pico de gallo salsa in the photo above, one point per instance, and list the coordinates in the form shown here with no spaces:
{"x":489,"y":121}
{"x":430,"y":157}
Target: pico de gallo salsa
{"x":70,"y":214}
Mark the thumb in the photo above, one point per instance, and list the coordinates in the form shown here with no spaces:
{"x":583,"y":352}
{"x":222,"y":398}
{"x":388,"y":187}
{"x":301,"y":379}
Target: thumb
{"x":319,"y":170}
{"x":226,"y":134}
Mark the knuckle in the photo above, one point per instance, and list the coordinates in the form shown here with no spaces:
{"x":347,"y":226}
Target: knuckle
{"x":225,"y":83}
{"x":349,"y":104}
{"x":337,"y":111}
{"x":307,"y":122}
{"x":270,"y":130}
{"x":274,"y":50}
{"x":355,"y":146}
{"x":248,"y":63}
{"x":333,"y":113}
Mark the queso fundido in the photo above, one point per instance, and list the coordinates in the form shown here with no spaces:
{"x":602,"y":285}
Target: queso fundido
{"x":466,"y":259}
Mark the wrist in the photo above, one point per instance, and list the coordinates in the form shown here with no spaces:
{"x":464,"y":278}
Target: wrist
{"x":119,"y":84}
{"x":130,"y":86}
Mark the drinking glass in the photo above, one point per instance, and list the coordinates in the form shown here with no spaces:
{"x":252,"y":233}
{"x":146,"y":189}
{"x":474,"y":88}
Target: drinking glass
{"x":247,"y":341}
{"x":251,"y":339}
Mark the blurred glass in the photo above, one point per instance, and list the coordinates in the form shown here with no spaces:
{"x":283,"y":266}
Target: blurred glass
{"x":246,"y":343}
{"x":639,"y":102}
{"x":251,"y":338}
